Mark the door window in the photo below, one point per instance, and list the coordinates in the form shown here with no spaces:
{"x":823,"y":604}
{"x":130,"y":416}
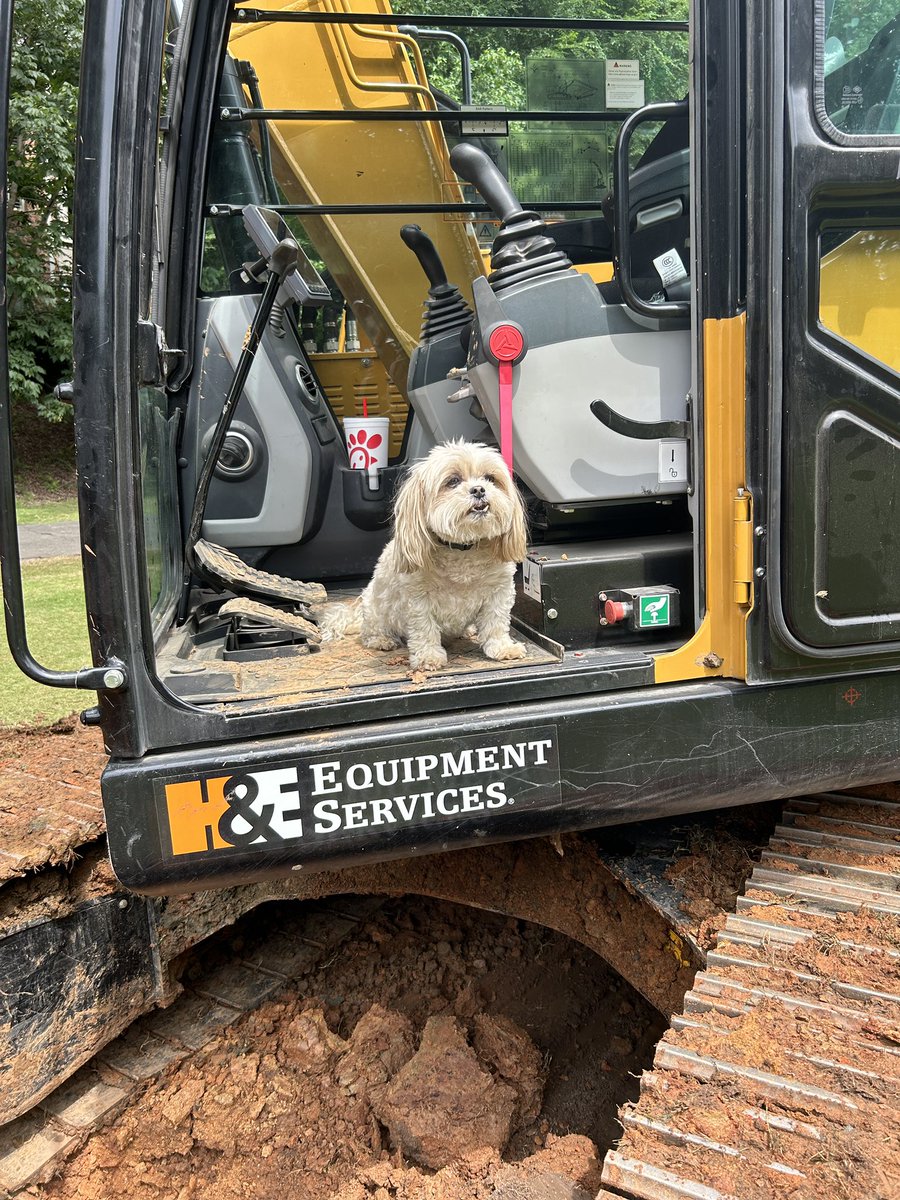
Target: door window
{"x":858,"y":68}
{"x":859,"y":290}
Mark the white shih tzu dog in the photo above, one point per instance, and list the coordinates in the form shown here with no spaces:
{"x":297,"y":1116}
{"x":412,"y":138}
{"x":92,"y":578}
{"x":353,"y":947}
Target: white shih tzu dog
{"x":459,"y":530}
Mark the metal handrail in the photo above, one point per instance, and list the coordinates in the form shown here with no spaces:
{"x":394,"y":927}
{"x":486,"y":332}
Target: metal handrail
{"x":445,"y":35}
{"x":110,"y":677}
{"x":622,"y":203}
{"x":235,"y":210}
{"x":363,"y":85}
{"x":254,"y":16}
{"x":441,"y":116}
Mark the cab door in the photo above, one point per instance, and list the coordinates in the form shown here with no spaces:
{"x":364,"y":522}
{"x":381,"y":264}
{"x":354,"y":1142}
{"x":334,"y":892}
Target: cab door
{"x":825,"y":335}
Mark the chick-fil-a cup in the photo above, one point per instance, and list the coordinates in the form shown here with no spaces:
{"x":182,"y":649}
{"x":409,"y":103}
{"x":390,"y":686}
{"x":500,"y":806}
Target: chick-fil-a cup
{"x":367,"y":442}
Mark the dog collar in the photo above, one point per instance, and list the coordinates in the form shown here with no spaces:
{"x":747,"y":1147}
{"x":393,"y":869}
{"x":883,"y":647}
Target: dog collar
{"x":456,"y":545}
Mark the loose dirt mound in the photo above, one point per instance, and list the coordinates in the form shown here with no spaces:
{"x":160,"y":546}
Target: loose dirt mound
{"x":443,"y":1104}
{"x":461,"y":1038}
{"x":50,"y":789}
{"x":568,"y":1169}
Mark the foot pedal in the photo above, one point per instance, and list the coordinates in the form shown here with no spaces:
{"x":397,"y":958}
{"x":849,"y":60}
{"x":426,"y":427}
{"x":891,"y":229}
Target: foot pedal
{"x":252,"y":610}
{"x":227,"y":570}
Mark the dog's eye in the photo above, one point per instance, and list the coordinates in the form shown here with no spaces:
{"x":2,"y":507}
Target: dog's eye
{"x":490,"y":478}
{"x":453,"y":481}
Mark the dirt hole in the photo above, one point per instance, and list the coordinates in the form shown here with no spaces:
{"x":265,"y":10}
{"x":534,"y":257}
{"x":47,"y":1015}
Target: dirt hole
{"x":358,"y":1079}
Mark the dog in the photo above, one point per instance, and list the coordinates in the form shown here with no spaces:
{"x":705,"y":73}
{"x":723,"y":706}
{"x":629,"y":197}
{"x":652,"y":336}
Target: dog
{"x":459,"y":530}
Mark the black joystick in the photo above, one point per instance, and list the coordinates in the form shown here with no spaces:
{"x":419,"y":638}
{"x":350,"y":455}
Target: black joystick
{"x":523,"y":249}
{"x":445,"y":310}
{"x":472,"y":164}
{"x":424,"y":249}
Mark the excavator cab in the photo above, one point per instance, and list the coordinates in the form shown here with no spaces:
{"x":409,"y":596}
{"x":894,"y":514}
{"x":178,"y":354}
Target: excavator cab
{"x":659,"y":279}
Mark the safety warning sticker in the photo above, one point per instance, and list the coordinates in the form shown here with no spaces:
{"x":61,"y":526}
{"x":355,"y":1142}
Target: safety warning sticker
{"x":654,"y":610}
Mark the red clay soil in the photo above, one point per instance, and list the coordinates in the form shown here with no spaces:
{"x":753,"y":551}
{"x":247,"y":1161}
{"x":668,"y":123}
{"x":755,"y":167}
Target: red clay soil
{"x":711,"y":881}
{"x":783,"y":1078}
{"x":890,"y":818}
{"x":863,"y":927}
{"x":360,"y":1080}
{"x":49,"y":795}
{"x":844,"y":1151}
{"x":717,"y":863}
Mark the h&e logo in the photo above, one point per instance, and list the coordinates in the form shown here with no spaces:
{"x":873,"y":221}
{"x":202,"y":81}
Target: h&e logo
{"x":234,"y":810}
{"x":279,"y":806}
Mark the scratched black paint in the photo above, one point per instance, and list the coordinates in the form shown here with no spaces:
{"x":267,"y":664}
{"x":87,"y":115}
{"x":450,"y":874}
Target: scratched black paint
{"x":623,"y":756}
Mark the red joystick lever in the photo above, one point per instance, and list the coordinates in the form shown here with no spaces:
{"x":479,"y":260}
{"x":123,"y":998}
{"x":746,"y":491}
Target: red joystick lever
{"x":505,"y":344}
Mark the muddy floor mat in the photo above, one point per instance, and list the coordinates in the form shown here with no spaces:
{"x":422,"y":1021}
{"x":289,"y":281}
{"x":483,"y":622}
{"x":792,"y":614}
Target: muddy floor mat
{"x":224,"y":568}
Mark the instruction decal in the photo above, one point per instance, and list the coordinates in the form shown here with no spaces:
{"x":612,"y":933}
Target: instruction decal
{"x":531,"y":579}
{"x":447,"y":781}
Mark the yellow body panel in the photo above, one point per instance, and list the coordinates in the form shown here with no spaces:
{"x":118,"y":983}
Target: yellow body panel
{"x":719,"y":647}
{"x":349,"y":378}
{"x":859,"y":293}
{"x":356,"y":67}
{"x":600,"y":272}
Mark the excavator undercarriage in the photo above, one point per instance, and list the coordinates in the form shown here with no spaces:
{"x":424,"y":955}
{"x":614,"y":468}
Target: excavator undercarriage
{"x":768,"y":938}
{"x":691,"y":374}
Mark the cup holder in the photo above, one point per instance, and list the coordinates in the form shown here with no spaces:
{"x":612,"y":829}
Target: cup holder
{"x":367,"y":507}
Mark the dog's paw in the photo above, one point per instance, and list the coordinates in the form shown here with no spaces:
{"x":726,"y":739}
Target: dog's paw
{"x":430,"y":659}
{"x":504,"y":649}
{"x":380,"y":642}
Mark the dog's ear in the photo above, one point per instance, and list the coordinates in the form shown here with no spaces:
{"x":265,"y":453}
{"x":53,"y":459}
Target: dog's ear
{"x":514,"y":541}
{"x":411,"y":537}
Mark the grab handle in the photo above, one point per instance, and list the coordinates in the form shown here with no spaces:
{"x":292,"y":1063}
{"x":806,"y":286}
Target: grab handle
{"x":622,"y":234}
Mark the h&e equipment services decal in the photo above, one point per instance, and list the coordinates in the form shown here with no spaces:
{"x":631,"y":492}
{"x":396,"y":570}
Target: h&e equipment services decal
{"x":377,"y":789}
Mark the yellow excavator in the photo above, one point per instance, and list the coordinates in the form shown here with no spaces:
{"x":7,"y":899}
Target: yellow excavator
{"x":282,"y":223}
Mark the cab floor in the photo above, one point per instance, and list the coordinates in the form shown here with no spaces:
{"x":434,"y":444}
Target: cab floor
{"x":300,"y":675}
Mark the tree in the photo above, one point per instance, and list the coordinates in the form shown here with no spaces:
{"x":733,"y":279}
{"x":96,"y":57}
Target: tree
{"x":43,"y":100}
{"x":551,"y":162}
{"x":499,"y":55}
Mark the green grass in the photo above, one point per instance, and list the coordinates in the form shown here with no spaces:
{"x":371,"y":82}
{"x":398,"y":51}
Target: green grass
{"x":57,"y":636}
{"x":30,"y":511}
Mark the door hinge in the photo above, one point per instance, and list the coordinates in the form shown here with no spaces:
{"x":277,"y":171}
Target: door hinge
{"x":155,"y":360}
{"x":743,"y":547}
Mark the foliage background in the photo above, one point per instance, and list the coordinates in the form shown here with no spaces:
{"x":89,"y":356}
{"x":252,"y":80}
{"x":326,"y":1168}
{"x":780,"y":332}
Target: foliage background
{"x":44,"y":92}
{"x":43,"y":99}
{"x":500,"y":74}
{"x":552,"y":162}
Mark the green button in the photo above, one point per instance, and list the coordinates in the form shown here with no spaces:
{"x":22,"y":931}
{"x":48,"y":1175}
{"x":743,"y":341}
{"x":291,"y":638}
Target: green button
{"x":653,"y":610}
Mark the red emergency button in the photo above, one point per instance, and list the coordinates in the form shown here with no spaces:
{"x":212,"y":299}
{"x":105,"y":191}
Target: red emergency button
{"x":506,"y":343}
{"x":615,"y":611}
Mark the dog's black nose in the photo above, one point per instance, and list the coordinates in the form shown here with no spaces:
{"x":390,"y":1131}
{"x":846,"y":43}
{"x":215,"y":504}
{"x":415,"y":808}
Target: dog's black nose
{"x":478,"y":492}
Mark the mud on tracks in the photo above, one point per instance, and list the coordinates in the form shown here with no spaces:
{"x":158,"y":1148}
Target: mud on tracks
{"x":781,"y":1079}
